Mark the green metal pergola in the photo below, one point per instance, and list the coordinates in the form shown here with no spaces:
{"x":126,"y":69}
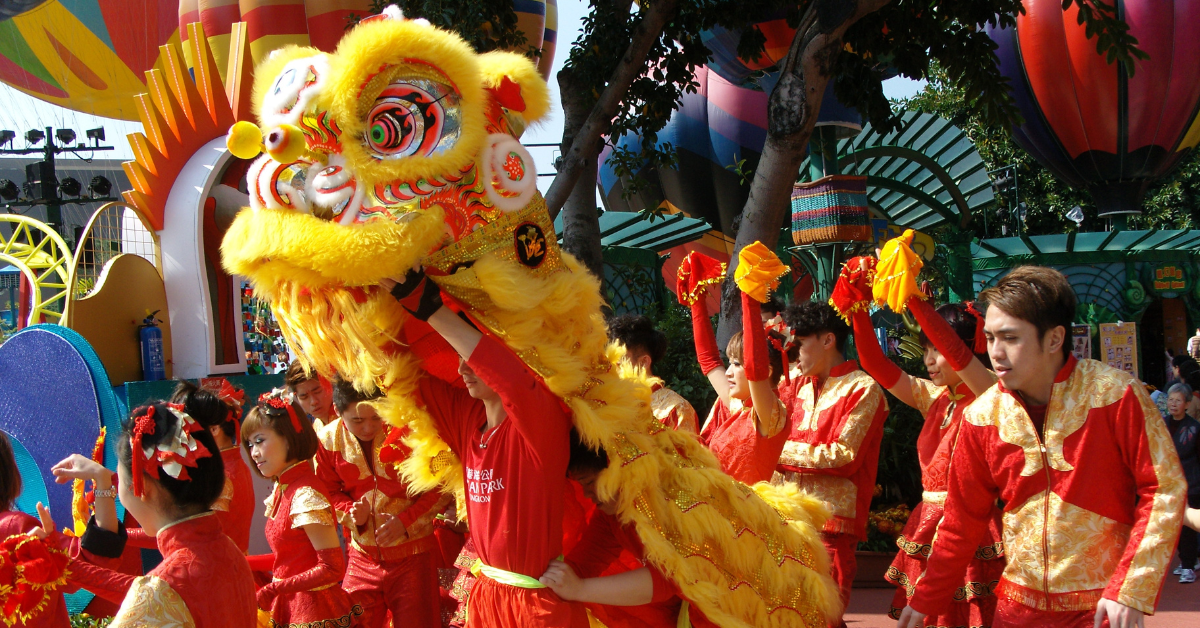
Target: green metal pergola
{"x":922,"y":175}
{"x":632,"y":243}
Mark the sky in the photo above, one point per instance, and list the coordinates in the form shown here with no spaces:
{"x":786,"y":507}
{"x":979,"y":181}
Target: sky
{"x":20,"y":113}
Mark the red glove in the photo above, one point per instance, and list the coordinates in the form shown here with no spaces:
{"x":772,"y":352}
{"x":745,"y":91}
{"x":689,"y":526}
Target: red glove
{"x":706,"y":341}
{"x":939,"y":332}
{"x":331,"y":566}
{"x":754,"y":341}
{"x":870,"y":355}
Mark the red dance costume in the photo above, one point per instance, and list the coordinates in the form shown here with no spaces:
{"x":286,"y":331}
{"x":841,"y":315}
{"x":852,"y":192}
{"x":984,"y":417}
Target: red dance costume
{"x":400,"y":577}
{"x":203,"y":581}
{"x":974,"y":601}
{"x":305,"y":583}
{"x":1090,"y":512}
{"x":731,"y":433}
{"x":598,"y":553}
{"x":672,"y":410}
{"x":235,"y":506}
{"x":515,"y":481}
{"x":833,"y":454}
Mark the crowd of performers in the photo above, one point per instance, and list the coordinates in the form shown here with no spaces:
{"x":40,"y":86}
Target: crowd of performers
{"x":1053,"y":492}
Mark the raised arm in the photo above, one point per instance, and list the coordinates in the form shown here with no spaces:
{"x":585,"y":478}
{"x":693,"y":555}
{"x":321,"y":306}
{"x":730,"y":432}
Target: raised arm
{"x":876,"y":364}
{"x":706,"y":350}
{"x":960,"y":357}
{"x":769,"y":417}
{"x":696,"y":273}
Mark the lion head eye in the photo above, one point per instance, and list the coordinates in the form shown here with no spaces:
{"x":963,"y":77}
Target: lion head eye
{"x":412,"y":119}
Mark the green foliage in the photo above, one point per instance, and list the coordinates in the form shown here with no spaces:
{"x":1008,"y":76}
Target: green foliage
{"x":485,"y":24}
{"x":678,"y":369}
{"x":83,"y":620}
{"x":670,"y":67}
{"x":1173,"y":204}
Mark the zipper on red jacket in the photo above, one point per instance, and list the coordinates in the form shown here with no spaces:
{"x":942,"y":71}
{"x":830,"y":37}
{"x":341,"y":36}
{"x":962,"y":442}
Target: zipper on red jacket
{"x":1045,"y":504}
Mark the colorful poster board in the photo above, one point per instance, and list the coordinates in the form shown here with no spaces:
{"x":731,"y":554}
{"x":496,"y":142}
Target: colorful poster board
{"x":1118,"y":346}
{"x":1081,"y":341}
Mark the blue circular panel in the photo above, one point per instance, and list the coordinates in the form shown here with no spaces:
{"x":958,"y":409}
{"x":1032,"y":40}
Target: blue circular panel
{"x":48,"y":402}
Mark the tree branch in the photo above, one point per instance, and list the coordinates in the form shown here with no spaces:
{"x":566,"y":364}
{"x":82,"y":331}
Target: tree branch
{"x":792,"y":113}
{"x":632,"y":64}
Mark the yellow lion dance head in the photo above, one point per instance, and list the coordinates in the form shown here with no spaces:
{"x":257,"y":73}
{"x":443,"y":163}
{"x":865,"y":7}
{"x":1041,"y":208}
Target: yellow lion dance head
{"x":398,"y":150}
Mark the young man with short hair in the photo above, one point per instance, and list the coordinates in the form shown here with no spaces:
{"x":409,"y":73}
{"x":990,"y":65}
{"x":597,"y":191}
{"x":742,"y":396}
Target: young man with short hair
{"x":512,"y":435}
{"x":313,"y":392}
{"x":391,"y":566}
{"x":837,"y":425}
{"x":1075,"y":450}
{"x":645,"y":346}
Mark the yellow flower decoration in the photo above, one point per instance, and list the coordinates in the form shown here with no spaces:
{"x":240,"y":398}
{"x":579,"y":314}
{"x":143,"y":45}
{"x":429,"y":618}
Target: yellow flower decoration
{"x":758,"y":271}
{"x":896,"y":273}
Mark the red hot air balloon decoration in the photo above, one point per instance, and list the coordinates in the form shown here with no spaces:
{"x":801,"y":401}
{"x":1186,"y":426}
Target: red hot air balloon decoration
{"x":1088,"y":121}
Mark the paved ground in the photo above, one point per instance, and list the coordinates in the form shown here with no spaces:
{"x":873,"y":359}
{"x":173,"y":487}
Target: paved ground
{"x":1179,"y":607}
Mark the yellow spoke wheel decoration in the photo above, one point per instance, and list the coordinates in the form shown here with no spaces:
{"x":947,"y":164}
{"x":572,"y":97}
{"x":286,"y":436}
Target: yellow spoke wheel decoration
{"x":45,"y":261}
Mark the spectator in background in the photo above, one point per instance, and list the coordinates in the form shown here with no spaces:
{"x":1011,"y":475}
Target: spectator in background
{"x":1184,"y":431}
{"x":1189,"y":373}
{"x":645,"y":346}
{"x":313,"y":392}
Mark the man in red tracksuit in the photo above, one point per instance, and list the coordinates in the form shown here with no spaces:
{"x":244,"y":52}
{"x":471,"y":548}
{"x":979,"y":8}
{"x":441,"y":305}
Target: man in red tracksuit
{"x":392,"y":564}
{"x":1080,"y":458}
{"x":513,"y":437}
{"x":837,"y":425}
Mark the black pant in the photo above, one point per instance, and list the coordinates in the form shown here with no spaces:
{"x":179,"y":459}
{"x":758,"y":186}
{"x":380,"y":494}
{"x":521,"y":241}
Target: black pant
{"x":1189,"y":539}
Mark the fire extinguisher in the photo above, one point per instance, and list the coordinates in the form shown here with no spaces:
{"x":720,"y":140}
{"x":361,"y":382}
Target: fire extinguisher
{"x":154,"y":366}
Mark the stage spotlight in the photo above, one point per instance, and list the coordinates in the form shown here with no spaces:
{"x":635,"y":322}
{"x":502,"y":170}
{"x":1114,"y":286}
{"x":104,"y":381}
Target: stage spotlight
{"x":6,"y":137}
{"x":99,"y":186}
{"x":34,"y":136}
{"x":65,"y":136}
{"x":96,"y":135}
{"x":8,"y":190}
{"x":70,"y":187}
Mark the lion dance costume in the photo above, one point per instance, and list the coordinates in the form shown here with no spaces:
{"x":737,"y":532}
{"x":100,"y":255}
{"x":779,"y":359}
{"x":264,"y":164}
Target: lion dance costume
{"x":398,"y":150}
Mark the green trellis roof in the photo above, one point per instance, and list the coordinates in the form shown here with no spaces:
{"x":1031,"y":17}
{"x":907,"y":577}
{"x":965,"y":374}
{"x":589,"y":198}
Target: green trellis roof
{"x":637,"y":231}
{"x":924,"y":174}
{"x":1087,"y":247}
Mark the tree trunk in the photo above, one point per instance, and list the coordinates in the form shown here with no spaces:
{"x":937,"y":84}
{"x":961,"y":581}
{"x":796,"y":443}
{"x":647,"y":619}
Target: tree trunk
{"x":583,"y":149}
{"x":581,"y":223}
{"x":792,"y":111}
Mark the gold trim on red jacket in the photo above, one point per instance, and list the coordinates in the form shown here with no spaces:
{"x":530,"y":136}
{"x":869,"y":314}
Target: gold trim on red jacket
{"x":1093,"y":513}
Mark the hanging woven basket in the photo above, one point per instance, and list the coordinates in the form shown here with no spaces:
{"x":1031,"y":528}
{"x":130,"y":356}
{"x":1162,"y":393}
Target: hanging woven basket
{"x":831,"y":209}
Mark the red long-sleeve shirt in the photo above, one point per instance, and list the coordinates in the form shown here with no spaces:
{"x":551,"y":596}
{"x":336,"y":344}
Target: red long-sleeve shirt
{"x":515,"y":473}
{"x":1091,"y":512}
{"x":342,"y":464}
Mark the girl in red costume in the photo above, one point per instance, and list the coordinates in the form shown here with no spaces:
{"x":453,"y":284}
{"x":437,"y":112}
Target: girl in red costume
{"x":235,"y":506}
{"x":301,"y":529}
{"x":218,"y":412}
{"x":169,"y":478}
{"x":746,"y":440}
{"x":956,"y":358}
